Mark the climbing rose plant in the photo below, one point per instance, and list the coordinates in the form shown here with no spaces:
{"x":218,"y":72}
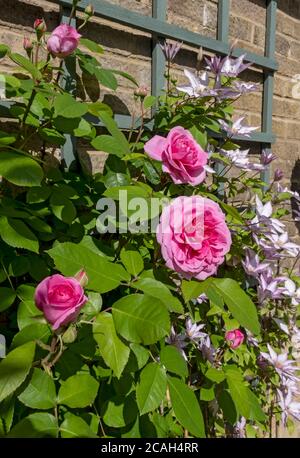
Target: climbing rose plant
{"x":184,"y":325}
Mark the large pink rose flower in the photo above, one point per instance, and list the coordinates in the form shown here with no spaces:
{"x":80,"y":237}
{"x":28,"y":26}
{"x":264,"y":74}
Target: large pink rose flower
{"x":63,"y":40}
{"x":194,"y":237}
{"x":60,"y":299}
{"x":181,"y":156}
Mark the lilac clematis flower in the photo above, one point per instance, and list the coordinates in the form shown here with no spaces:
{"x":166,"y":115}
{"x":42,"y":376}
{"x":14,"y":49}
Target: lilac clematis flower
{"x":199,"y":86}
{"x":233,"y":67}
{"x":288,"y":406}
{"x":170,"y":50}
{"x":281,"y":242}
{"x":178,"y":341}
{"x":268,"y":287}
{"x":193,"y":331}
{"x":239,"y":158}
{"x":214,"y":64}
{"x":264,"y":218}
{"x":284,"y":367}
{"x":237,"y":89}
{"x":252,"y":264}
{"x":202,"y":298}
{"x":292,"y":292}
{"x":239,"y":429}
{"x":267,"y":157}
{"x":237,"y":128}
{"x":207,"y":349}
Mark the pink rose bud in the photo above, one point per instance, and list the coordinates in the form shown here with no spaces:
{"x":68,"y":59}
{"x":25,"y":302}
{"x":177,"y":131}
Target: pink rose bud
{"x":40,"y":28}
{"x":235,"y":337}
{"x":60,"y":299}
{"x":89,"y":11}
{"x":28,"y":46}
{"x":63,"y":41}
{"x":82,"y":278}
{"x":141,"y":91}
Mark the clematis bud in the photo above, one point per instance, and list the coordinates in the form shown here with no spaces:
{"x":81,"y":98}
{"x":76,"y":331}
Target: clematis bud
{"x":28,"y":46}
{"x":235,"y":337}
{"x":82,"y":278}
{"x":278,"y":175}
{"x":40,"y":28}
{"x":141,"y":91}
{"x":89,"y":11}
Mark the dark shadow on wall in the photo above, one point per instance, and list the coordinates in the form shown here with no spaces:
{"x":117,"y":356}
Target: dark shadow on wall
{"x":290,"y":7}
{"x":25,"y":14}
{"x":295,"y":186}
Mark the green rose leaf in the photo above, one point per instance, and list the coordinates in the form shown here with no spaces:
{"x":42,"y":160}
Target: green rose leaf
{"x":74,"y":426}
{"x":15,"y":368}
{"x":244,"y":399}
{"x":67,"y":106}
{"x":140,"y":319}
{"x":186,"y":407}
{"x":40,"y":393}
{"x":238,"y":302}
{"x":78,"y":391}
{"x":132,"y":261}
{"x":36,"y":331}
{"x":7,"y":297}
{"x":114,"y":352}
{"x":152,"y":387}
{"x":160,"y":291}
{"x":173,"y":361}
{"x":20,"y":170}
{"x":40,"y":424}
{"x":15,"y":233}
{"x":103,"y":275}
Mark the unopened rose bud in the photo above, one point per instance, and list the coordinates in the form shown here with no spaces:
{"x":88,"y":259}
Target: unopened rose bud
{"x":141,"y":91}
{"x":40,"y":28}
{"x":28,"y":46}
{"x":235,"y":338}
{"x":69,"y":336}
{"x":89,"y":11}
{"x":82,"y":278}
{"x":278,"y":175}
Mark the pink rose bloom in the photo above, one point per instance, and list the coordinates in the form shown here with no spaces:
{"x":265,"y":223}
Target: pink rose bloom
{"x":180,"y":154}
{"x":63,"y":40}
{"x":60,"y":299}
{"x":235,"y":337}
{"x":194,"y":237}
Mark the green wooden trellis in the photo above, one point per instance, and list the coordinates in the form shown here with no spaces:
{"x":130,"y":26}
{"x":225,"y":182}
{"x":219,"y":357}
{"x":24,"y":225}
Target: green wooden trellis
{"x":160,"y":29}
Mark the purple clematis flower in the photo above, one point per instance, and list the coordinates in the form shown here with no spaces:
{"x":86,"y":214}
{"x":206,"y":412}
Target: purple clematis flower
{"x":233,"y":67}
{"x":267,"y":157}
{"x":170,"y":50}
{"x":199,"y":85}
{"x":237,"y":128}
{"x":252,"y":264}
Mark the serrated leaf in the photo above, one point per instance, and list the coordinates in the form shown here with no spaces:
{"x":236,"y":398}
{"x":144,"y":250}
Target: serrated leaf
{"x":74,"y":426}
{"x":160,"y":291}
{"x":173,"y":361}
{"x":186,"y":407}
{"x":140,"y":319}
{"x":152,"y":387}
{"x":40,"y":424}
{"x":103,"y":275}
{"x":32,"y":332}
{"x":67,"y":106}
{"x":114,"y":352}
{"x":132,"y":261}
{"x":15,"y":368}
{"x":20,"y":170}
{"x":78,"y":391}
{"x":7,"y":297}
{"x":238,"y":302}
{"x":91,"y":45}
{"x":15,"y":233}
{"x":40,"y":393}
